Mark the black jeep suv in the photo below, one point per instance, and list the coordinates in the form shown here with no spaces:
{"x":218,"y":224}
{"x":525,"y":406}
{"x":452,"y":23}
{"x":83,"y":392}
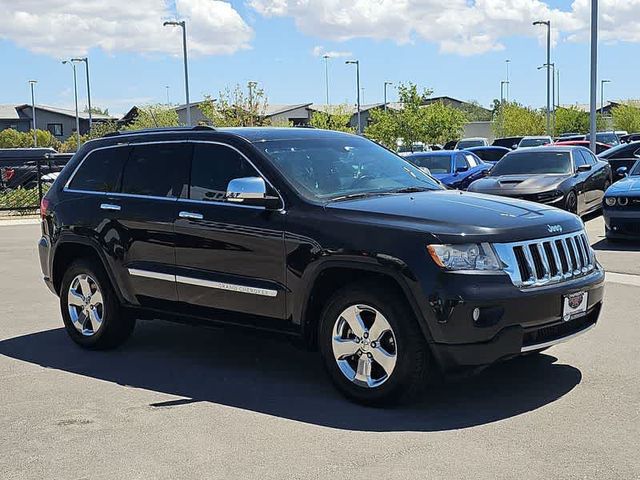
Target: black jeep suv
{"x":322,"y":235}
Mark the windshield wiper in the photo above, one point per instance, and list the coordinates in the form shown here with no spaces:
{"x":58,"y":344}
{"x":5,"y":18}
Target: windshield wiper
{"x":411,"y":190}
{"x":359,"y":195}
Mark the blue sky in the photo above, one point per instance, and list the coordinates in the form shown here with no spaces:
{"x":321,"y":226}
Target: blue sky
{"x":278,"y":53}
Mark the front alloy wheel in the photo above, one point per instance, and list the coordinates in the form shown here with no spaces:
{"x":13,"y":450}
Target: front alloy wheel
{"x":364,"y":346}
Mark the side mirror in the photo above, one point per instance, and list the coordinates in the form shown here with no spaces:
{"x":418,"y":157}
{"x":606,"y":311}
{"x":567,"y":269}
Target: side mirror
{"x":622,"y":171}
{"x":251,"y":191}
{"x":461,"y":169}
{"x":514,"y":146}
{"x":584,"y":168}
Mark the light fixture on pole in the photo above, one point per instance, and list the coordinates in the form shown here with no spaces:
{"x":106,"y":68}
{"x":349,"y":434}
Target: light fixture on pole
{"x":183,"y":25}
{"x":75,"y":94}
{"x":507,"y":62}
{"x":326,"y":76}
{"x":548,"y":64}
{"x":593,"y":84}
{"x":32,"y":83}
{"x":602,"y":82}
{"x":86,"y":69}
{"x":385,"y":94}
{"x":357,"y":64}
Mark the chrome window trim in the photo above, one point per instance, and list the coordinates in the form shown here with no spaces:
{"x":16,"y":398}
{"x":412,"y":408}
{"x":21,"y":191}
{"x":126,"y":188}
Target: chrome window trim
{"x":210,"y":142}
{"x":550,"y":343}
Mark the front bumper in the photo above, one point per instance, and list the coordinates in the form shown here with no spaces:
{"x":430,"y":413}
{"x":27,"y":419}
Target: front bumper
{"x":511,"y":322}
{"x":621,"y":224}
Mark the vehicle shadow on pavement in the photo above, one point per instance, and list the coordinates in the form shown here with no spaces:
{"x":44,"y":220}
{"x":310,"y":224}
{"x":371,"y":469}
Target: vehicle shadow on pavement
{"x":271,"y":376}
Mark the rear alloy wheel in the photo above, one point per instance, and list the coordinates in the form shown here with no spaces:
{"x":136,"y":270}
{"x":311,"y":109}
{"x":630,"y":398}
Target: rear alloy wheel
{"x":372,"y":346}
{"x":90,"y":309}
{"x":571,"y":202}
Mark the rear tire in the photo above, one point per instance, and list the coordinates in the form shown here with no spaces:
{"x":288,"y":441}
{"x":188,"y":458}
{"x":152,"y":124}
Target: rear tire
{"x":372,"y":347}
{"x":92,"y":314}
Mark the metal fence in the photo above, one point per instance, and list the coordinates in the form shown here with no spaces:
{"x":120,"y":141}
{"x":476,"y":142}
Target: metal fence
{"x":24,"y":182}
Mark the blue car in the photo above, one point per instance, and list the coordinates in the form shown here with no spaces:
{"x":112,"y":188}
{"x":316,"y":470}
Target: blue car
{"x":621,"y":206}
{"x":454,"y":168}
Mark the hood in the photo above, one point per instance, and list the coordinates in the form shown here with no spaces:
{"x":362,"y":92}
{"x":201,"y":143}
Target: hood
{"x":455,"y":215}
{"x":629,"y":185}
{"x":518,"y":184}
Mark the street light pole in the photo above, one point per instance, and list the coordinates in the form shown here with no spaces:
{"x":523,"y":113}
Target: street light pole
{"x":558,"y":87}
{"x":594,"y":75}
{"x":251,"y":86}
{"x":548,"y":24}
{"x":167,"y":88}
{"x":32,"y":83}
{"x":385,"y":94}
{"x":357,"y":64}
{"x":503,"y":84}
{"x":183,"y":25}
{"x":86,"y":66}
{"x":553,"y":90}
{"x":326,"y":77}
{"x":602,"y":82}
{"x":508,"y":84}
{"x":75,"y":94}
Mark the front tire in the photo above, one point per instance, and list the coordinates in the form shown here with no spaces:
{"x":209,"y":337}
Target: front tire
{"x":92,"y":314}
{"x":571,"y":202}
{"x":372,"y":347}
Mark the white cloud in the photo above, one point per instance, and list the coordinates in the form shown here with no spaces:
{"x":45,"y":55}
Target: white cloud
{"x":464,"y":27}
{"x":63,"y":28}
{"x":319,"y":51}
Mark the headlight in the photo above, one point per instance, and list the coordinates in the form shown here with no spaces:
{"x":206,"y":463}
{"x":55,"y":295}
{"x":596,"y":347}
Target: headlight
{"x":466,"y":256}
{"x":610,"y":201}
{"x":623,"y":201}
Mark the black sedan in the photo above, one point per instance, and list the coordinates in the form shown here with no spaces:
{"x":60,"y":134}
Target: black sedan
{"x":489,"y":154}
{"x":566,"y":177}
{"x":621,"y":207}
{"x":623,"y":155}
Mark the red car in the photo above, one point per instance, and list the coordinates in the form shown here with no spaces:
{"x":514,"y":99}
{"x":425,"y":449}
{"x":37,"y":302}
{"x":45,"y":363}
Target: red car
{"x":600,"y":147}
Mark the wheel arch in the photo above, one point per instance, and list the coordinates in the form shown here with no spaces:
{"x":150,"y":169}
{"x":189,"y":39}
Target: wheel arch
{"x":73,"y":247}
{"x":334,"y":275}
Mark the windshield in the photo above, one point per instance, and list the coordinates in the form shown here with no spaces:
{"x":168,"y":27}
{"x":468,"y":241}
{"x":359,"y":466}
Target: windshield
{"x":609,"y":138}
{"x":435,"y":163}
{"x":635,"y":171}
{"x":533,"y":142}
{"x":537,"y":162}
{"x":327,"y":168}
{"x":470,"y":143}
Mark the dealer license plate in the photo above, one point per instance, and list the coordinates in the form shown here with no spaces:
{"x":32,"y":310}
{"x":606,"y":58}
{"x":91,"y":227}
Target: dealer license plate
{"x":575,"y":305}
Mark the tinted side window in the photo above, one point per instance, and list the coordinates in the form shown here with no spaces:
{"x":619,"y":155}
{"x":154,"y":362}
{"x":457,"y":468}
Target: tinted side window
{"x":626,"y":152}
{"x":461,"y":162}
{"x":578,"y":158}
{"x":590,"y":158}
{"x":100,"y":170}
{"x":471,"y":160}
{"x":158,"y":170}
{"x":213,"y":167}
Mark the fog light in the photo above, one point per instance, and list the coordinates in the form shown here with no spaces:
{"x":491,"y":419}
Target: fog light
{"x":476,"y":314}
{"x":623,"y":201}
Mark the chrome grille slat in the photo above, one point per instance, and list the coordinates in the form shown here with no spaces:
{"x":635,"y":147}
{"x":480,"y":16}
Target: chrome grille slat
{"x":521,"y":259}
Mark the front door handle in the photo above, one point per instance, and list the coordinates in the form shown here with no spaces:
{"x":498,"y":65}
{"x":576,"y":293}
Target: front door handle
{"x":110,"y":206}
{"x":191,"y":215}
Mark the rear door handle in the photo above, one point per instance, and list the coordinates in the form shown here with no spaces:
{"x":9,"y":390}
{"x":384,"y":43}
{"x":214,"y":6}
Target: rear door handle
{"x":191,"y":215}
{"x":110,"y":206}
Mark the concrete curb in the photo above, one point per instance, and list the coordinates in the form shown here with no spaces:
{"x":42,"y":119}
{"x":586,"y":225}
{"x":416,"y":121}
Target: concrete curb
{"x":19,"y":221}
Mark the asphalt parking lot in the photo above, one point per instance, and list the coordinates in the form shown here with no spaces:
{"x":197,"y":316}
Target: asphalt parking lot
{"x":179,"y":402}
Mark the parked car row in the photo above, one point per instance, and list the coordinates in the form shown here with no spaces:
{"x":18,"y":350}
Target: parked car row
{"x":20,"y":167}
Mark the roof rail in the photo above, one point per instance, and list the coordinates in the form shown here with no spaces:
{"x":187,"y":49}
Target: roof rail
{"x":159,"y":130}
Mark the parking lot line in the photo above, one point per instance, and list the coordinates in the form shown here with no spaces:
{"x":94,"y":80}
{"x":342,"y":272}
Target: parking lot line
{"x":623,"y":278}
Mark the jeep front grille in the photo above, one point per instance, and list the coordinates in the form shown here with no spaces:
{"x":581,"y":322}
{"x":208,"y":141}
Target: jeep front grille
{"x":534,"y":263}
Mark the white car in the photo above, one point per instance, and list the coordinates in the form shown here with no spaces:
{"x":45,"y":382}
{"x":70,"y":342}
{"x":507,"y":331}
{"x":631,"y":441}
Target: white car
{"x":535,"y":141}
{"x":472,"y":142}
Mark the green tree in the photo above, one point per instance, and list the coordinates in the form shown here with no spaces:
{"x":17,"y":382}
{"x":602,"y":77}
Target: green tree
{"x":11,"y":138}
{"x":99,"y":129}
{"x":513,"y":119}
{"x":626,"y":116}
{"x":96,"y":110}
{"x":234,"y":108}
{"x":407,"y":124}
{"x":334,"y":118}
{"x":571,"y":119}
{"x":443,"y":122}
{"x":154,"y":116}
